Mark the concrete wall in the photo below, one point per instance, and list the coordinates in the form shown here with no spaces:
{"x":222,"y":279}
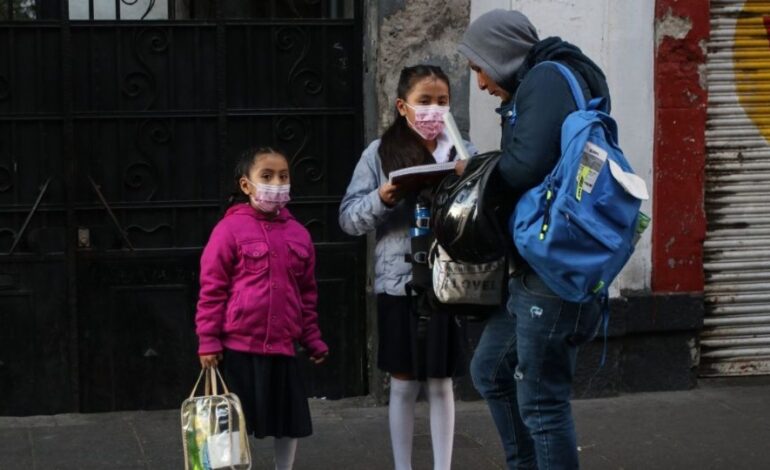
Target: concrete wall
{"x":421,"y":31}
{"x":619,"y":36}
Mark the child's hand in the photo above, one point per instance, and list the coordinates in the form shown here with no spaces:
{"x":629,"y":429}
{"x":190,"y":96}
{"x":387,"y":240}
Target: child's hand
{"x":210,"y":360}
{"x":390,"y":194}
{"x":319,"y":359}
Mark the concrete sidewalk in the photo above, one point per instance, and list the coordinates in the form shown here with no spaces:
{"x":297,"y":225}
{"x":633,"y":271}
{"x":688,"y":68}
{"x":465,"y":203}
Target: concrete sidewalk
{"x":724,"y":424}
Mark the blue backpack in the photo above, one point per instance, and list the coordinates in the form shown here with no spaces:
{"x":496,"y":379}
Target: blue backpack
{"x":576,"y":229}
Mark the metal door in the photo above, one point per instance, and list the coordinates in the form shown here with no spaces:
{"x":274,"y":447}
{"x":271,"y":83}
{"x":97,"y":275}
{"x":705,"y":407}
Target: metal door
{"x":119,"y":125}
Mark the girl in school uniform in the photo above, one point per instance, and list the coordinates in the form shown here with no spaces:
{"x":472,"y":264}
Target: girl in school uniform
{"x":410,"y":351}
{"x":258,"y":296}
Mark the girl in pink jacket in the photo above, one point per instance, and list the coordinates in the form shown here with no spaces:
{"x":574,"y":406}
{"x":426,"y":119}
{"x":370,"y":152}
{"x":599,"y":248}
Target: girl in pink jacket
{"x":258,"y":295}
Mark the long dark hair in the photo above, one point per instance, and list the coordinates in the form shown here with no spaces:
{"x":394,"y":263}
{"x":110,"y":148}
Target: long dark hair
{"x":400,"y":146}
{"x":243,"y":165}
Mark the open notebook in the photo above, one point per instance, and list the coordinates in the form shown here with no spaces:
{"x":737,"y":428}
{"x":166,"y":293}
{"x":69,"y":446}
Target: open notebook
{"x":421,"y":173}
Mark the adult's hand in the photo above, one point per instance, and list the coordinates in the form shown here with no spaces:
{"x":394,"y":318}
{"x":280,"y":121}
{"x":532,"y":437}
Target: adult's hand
{"x":390,"y":194}
{"x":460,"y":167}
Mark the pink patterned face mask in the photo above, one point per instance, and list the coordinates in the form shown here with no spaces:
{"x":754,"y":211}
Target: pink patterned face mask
{"x":428,"y":120}
{"x":270,"y":198}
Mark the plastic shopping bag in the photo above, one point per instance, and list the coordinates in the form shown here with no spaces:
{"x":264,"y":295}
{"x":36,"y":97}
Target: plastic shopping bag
{"x":214,"y":428}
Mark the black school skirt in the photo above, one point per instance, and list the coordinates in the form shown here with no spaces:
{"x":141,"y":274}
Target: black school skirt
{"x":434,"y":349}
{"x":271,"y":391}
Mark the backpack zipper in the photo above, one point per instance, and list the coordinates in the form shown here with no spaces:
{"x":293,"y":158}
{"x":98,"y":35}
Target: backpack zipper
{"x":547,"y":210}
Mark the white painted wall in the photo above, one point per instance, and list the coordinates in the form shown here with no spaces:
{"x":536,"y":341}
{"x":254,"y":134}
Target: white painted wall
{"x":619,"y":36}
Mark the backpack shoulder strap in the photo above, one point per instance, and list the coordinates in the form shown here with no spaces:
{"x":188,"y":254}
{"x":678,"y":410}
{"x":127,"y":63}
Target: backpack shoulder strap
{"x":596,"y":104}
{"x":574,"y":85}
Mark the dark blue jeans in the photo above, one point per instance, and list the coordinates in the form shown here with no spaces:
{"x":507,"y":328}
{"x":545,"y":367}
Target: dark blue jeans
{"x":523,"y":367}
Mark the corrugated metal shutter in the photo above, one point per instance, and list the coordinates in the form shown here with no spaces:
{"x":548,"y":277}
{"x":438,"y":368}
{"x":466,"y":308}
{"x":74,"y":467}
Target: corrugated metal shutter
{"x":736,"y":337}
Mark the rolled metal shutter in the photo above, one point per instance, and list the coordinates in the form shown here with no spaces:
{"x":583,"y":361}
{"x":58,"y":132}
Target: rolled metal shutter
{"x":736,"y":335}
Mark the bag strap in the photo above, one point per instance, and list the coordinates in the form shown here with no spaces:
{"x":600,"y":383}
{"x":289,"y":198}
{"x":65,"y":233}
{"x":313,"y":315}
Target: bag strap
{"x":213,"y":380}
{"x":432,"y":253}
{"x":216,"y":379}
{"x":210,"y":387}
{"x":605,"y":303}
{"x":221,"y":380}
{"x":574,"y":85}
{"x":596,"y":104}
{"x":198,"y":382}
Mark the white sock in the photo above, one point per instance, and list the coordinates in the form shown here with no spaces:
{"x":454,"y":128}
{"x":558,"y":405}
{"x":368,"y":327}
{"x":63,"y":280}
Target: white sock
{"x":284,"y":449}
{"x":403,"y":396}
{"x":442,"y":421}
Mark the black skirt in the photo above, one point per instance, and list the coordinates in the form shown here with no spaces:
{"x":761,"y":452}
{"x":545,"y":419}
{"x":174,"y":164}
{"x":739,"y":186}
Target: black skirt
{"x":432,"y":348}
{"x":271,"y":391}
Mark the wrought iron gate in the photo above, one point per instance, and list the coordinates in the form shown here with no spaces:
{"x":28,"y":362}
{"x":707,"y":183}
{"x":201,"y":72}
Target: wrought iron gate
{"x":119,"y":124}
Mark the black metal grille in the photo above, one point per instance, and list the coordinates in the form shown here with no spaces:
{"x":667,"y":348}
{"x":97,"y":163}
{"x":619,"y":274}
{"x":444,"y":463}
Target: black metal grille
{"x":180,"y":10}
{"x":117,"y":140}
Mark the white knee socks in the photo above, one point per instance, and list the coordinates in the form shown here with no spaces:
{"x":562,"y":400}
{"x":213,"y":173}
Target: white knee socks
{"x":442,"y":421}
{"x":403,"y":396}
{"x":284,"y":449}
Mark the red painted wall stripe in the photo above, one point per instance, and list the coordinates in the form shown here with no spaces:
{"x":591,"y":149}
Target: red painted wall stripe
{"x":680,"y":150}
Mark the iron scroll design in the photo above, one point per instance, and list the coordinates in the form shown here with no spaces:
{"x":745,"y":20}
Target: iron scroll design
{"x":295,"y":132}
{"x":142,"y":174}
{"x":292,"y":128}
{"x":310,"y":82}
{"x":158,"y":236}
{"x":310,"y":167}
{"x":150,"y":6}
{"x":138,"y":82}
{"x":139,"y":175}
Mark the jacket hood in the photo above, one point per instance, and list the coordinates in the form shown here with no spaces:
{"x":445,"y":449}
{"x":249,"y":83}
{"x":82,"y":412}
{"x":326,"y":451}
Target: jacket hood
{"x":498,"y":42}
{"x":554,"y":49}
{"x":245,"y":208}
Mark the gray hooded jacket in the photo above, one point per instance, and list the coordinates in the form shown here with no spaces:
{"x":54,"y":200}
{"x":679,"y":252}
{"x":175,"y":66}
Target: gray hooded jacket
{"x":505,"y":45}
{"x":362,"y":211}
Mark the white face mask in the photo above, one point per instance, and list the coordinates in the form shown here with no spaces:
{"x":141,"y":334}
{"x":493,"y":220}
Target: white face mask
{"x":270,"y":198}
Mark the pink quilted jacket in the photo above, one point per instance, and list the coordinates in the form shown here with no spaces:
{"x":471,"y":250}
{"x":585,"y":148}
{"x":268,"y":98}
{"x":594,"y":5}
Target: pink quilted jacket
{"x":258,"y":290}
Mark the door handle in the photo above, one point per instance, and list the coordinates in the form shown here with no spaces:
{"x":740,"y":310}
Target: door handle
{"x":107,"y":207}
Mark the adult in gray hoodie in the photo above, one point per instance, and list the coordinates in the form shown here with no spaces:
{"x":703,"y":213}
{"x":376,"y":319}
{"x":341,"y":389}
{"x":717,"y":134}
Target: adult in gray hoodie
{"x":525,"y":361}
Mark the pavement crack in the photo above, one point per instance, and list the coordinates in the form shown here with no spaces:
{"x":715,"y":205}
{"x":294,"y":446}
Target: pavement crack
{"x":139,"y":443}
